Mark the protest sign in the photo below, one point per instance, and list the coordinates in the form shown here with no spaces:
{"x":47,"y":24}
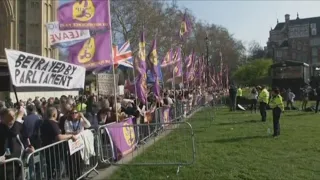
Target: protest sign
{"x":106,"y":84}
{"x":75,"y":146}
{"x":57,"y":36}
{"x":123,"y":137}
{"x":29,"y":70}
{"x":165,"y":115}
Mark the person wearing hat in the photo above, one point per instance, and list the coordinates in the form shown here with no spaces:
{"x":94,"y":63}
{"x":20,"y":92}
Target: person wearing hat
{"x":263,"y":100}
{"x":277,"y":106}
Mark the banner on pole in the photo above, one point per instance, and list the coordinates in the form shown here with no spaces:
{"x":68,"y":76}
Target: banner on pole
{"x":56,"y":36}
{"x":30,"y":70}
{"x":106,"y":84}
{"x":89,"y":14}
{"x":123,"y":137}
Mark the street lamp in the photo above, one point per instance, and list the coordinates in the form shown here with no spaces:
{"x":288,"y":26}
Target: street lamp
{"x":207,"y":46}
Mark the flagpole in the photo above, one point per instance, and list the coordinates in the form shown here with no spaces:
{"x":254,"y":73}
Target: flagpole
{"x":174,"y":93}
{"x":135,"y":87}
{"x":113,"y":68}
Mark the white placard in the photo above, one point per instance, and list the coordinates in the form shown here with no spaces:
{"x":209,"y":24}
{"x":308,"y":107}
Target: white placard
{"x":56,"y":36}
{"x":121,"y":90}
{"x":106,"y":83}
{"x":29,"y":70}
{"x":75,"y":146}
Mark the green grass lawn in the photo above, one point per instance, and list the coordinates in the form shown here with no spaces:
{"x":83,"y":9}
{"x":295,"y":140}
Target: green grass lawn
{"x":235,"y":146}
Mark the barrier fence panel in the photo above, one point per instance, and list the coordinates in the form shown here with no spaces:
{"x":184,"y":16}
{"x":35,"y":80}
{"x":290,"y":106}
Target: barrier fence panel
{"x":105,"y":145}
{"x":12,"y":169}
{"x":59,"y":161}
{"x":159,"y":149}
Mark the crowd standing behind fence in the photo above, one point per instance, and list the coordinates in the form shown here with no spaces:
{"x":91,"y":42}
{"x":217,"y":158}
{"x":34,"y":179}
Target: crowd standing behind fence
{"x":49,"y":141}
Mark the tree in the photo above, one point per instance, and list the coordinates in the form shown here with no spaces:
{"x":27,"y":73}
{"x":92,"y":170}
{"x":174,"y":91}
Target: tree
{"x":256,"y":51}
{"x":162,"y":20}
{"x":254,"y":73}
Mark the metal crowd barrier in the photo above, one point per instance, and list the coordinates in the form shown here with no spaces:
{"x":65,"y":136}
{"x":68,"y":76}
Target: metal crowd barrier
{"x":12,"y":169}
{"x":182,"y":132}
{"x":55,"y":161}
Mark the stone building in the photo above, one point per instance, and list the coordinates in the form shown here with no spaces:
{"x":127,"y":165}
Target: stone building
{"x":22,"y":27}
{"x":296,"y":39}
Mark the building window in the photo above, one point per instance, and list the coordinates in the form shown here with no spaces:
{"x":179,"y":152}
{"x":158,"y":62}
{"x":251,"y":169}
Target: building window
{"x":314,"y":51}
{"x":299,"y":46}
{"x":294,"y":56}
{"x":305,"y":47}
{"x":279,"y":53}
{"x":305,"y":58}
{"x":314,"y":60}
{"x":293,"y":45}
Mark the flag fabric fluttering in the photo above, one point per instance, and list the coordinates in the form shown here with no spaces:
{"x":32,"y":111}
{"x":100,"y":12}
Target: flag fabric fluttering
{"x":122,"y":52}
{"x":178,"y":63}
{"x":167,"y":60}
{"x":185,"y":28}
{"x":92,"y":53}
{"x":189,"y":67}
{"x":122,"y":58}
{"x":85,"y":14}
{"x":140,"y":69}
{"x":153,"y":67}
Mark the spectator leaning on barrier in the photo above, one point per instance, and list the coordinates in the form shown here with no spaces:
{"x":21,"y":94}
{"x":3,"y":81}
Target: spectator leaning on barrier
{"x":11,"y":143}
{"x":75,"y":123}
{"x":51,"y":133}
{"x":31,"y":126}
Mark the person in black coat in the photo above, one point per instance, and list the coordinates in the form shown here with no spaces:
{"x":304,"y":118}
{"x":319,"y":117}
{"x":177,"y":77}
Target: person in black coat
{"x":233,"y":97}
{"x":317,"y":94}
{"x":11,"y":144}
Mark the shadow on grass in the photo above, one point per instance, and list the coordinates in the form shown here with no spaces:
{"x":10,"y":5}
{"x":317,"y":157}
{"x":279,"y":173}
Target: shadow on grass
{"x":240,"y":122}
{"x":300,"y":114}
{"x":237,"y":139}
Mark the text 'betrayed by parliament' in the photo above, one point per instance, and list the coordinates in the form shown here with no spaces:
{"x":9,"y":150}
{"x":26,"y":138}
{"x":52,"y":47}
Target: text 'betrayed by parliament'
{"x":37,"y":70}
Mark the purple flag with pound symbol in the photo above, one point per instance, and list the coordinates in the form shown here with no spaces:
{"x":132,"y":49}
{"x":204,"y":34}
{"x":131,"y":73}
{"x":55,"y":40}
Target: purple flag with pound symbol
{"x":92,"y":53}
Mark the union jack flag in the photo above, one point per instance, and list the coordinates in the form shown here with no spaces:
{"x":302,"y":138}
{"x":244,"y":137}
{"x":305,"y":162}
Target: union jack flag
{"x":122,"y":55}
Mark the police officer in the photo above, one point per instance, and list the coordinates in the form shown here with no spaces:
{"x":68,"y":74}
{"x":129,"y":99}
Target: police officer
{"x":263,"y":100}
{"x":277,"y":106}
{"x":239,"y":94}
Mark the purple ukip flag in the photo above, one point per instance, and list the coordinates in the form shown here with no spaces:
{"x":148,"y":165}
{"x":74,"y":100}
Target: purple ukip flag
{"x":177,"y":59}
{"x":140,"y":68}
{"x":185,"y":28}
{"x":153,"y":66}
{"x":92,"y":53}
{"x":165,"y":115}
{"x":85,"y":14}
{"x":167,"y":60}
{"x":123,"y":137}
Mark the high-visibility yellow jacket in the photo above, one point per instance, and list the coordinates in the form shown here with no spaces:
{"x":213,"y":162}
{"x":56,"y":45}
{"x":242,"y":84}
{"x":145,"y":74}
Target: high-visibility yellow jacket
{"x":84,"y":107}
{"x":239,"y":92}
{"x":264,"y":96}
{"x":276,"y":101}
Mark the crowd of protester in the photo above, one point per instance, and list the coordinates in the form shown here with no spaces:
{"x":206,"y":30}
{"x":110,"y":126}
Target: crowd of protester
{"x":28,"y":125}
